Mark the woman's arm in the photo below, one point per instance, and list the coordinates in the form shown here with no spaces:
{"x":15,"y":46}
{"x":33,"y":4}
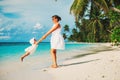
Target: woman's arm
{"x":49,"y":32}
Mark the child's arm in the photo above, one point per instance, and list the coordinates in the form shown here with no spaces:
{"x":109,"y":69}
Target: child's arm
{"x":49,"y":32}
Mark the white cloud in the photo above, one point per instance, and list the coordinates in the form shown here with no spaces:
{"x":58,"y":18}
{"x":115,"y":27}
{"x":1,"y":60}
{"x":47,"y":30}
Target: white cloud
{"x":38,"y":26}
{"x":34,"y":32}
{"x":39,"y":10}
{"x":32,"y":11}
{"x":0,"y":19}
{"x":4,"y":37}
{"x":1,"y":29}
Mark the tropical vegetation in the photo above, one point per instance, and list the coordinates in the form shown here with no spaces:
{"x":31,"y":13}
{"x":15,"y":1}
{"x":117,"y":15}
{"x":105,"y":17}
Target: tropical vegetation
{"x":115,"y":36}
{"x":95,"y":20}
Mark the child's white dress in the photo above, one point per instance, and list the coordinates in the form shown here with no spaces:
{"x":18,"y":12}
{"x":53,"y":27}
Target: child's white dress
{"x":31,"y":49}
{"x":57,"y":40}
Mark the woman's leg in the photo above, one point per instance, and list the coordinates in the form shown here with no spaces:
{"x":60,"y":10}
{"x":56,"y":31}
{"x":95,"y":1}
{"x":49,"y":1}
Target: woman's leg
{"x":54,"y":58}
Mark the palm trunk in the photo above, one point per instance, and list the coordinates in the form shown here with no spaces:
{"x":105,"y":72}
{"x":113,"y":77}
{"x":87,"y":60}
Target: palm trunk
{"x":115,"y":9}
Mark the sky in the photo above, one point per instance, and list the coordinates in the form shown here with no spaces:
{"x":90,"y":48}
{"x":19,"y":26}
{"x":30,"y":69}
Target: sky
{"x":21,"y":20}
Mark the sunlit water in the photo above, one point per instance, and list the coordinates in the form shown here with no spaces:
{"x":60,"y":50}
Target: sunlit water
{"x":10,"y":51}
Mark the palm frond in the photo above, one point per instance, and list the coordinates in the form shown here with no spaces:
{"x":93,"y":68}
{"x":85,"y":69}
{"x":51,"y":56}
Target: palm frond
{"x":78,"y":8}
{"x":102,"y":4}
{"x":100,"y":25}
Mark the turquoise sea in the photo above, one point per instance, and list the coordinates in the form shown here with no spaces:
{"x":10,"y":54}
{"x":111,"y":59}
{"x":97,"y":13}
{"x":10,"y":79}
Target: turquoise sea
{"x":13,"y":50}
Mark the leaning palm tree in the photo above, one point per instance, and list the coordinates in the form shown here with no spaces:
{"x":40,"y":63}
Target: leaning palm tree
{"x":97,"y":12}
{"x":97,"y":9}
{"x":79,"y":7}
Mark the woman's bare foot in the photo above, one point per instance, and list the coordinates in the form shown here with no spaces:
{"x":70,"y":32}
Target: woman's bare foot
{"x":22,"y":59}
{"x":54,"y":66}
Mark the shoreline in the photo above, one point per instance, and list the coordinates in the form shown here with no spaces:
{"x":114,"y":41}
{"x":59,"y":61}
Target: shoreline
{"x":71,"y":64}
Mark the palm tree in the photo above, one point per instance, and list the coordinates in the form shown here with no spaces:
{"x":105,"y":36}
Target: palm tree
{"x":66,"y":28}
{"x":79,"y":7}
{"x":95,"y":28}
{"x":64,"y":35}
{"x":97,"y":10}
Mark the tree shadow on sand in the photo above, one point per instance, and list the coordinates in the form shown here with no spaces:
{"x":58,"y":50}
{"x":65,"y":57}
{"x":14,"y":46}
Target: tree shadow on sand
{"x":94,"y":51}
{"x":79,"y":62}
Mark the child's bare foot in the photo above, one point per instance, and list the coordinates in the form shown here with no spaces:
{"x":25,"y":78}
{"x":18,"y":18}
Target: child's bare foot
{"x":22,"y":59}
{"x":54,"y":66}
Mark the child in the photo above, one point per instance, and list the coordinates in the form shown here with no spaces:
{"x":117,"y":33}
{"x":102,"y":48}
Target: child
{"x":30,"y":49}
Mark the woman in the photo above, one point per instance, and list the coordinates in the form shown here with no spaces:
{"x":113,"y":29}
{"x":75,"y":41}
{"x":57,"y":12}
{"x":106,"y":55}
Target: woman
{"x":57,"y":41}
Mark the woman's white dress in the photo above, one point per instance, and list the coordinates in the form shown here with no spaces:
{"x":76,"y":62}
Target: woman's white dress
{"x":57,"y":40}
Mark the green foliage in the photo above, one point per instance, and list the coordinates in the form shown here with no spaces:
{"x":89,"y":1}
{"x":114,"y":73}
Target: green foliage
{"x":102,"y":18}
{"x":78,"y":8}
{"x":114,"y":17}
{"x":66,"y":28}
{"x":115,"y":36}
{"x":64,"y":36}
{"x":90,"y":31}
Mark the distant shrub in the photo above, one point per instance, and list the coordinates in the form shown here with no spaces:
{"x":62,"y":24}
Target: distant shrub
{"x":115,"y":36}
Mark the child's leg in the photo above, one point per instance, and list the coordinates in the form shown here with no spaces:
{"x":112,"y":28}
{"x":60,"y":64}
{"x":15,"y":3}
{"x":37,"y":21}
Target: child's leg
{"x":25,"y":55}
{"x":54,"y":58}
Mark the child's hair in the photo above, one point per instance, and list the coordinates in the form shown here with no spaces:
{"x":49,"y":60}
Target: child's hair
{"x":32,"y":41}
{"x":56,"y":16}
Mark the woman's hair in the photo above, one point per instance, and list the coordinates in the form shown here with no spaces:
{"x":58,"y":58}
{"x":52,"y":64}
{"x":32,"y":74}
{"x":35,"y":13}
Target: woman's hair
{"x":56,"y":16}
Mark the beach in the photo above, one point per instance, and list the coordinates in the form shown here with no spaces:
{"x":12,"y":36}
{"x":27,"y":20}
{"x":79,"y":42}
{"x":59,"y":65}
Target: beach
{"x":102,"y":65}
{"x":98,"y":62}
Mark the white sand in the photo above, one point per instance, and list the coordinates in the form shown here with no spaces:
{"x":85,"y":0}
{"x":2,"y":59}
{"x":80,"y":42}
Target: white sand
{"x":28,"y":70}
{"x":97,"y":63}
{"x":100,"y":66}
